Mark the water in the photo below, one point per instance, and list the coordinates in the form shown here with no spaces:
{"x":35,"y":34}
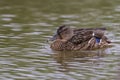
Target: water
{"x":26,"y":25}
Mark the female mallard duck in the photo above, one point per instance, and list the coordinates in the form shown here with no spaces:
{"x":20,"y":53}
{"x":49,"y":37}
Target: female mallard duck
{"x":67,"y":38}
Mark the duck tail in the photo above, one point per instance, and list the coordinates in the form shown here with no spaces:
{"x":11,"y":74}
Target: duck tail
{"x":109,"y":41}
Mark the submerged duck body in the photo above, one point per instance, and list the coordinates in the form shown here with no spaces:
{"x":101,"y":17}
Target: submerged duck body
{"x":67,"y":38}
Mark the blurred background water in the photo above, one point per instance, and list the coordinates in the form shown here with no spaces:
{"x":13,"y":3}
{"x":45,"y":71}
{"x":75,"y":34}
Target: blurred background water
{"x":25,"y":26}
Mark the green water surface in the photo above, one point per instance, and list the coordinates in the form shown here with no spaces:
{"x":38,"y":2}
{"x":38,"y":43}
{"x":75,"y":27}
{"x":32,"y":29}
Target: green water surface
{"x":26,"y":25}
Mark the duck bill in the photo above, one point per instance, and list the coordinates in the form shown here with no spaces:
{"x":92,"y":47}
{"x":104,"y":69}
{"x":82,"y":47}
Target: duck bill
{"x":54,"y":37}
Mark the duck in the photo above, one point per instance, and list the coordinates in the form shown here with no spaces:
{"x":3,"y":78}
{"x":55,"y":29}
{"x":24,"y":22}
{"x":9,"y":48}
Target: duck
{"x":67,"y":38}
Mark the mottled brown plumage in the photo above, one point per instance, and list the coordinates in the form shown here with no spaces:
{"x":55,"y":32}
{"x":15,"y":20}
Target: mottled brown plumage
{"x":67,"y":38}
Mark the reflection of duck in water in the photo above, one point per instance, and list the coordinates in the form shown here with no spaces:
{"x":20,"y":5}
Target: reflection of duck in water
{"x":84,"y":55}
{"x":67,"y":38}
{"x":66,"y":57}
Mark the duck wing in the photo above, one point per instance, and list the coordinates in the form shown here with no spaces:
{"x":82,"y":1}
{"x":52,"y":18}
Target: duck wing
{"x":81,"y":36}
{"x":86,"y":34}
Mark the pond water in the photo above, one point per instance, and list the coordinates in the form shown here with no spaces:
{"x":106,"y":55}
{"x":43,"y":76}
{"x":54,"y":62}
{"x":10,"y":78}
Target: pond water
{"x":25,"y":27}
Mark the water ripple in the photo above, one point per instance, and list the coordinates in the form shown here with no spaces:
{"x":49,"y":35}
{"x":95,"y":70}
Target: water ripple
{"x":25,"y":53}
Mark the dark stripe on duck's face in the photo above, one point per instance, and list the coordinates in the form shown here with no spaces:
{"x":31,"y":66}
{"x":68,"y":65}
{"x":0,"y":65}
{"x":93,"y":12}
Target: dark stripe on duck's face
{"x":59,"y":34}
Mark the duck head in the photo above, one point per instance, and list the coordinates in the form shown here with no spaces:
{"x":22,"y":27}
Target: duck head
{"x":63,"y":32}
